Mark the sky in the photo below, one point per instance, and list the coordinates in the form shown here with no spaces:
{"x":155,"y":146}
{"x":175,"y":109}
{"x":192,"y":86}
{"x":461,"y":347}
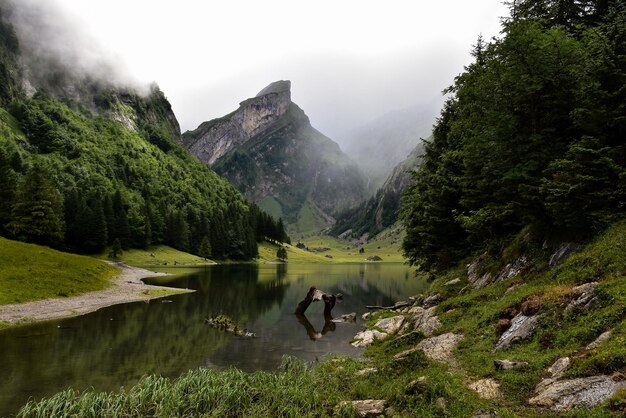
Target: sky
{"x":350,"y":61}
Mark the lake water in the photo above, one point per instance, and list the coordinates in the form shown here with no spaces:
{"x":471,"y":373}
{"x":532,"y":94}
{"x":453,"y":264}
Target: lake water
{"x":115,"y":346}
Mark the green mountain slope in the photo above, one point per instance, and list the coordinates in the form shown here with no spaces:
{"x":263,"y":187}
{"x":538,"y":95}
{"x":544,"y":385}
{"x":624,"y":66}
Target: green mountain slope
{"x":271,"y":153}
{"x":85,"y":162}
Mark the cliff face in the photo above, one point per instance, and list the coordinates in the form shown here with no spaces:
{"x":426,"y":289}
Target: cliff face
{"x":268,"y":149}
{"x":381,"y":210}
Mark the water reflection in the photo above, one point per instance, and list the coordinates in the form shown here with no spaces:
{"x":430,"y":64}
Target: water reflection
{"x":115,"y":346}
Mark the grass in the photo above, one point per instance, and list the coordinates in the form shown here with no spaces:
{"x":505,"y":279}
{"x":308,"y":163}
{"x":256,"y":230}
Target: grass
{"x":267,"y":254}
{"x":345,"y":252}
{"x":158,"y":256}
{"x":30,"y":272}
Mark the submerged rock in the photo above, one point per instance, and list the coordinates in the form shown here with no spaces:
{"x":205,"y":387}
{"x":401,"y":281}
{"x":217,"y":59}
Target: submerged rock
{"x":522,"y":327}
{"x":351,"y":317}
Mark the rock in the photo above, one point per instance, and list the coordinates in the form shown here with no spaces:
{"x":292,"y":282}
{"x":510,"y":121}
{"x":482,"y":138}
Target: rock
{"x":562,"y":253}
{"x":390,"y":325}
{"x":374,"y":258}
{"x":502,"y":326}
{"x":512,"y":269}
{"x":419,"y":385}
{"x":442,"y":405}
{"x":367,"y":408}
{"x":486,"y":388}
{"x":367,"y":337}
{"x":351,"y":317}
{"x":531,"y":306}
{"x":440,"y":348}
{"x":425,"y":320}
{"x":510,"y":289}
{"x":486,"y":413}
{"x":509,"y":364}
{"x":433,"y":300}
{"x":366,"y":316}
{"x":452,"y":282}
{"x":366,"y":372}
{"x":604,"y":337}
{"x":558,"y":369}
{"x":585,"y":299}
{"x":522,"y":327}
{"x":586,"y":392}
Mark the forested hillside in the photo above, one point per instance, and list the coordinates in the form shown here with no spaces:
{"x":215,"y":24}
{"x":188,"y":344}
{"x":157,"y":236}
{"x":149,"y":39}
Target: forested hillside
{"x":90,"y":164}
{"x":532,"y":136}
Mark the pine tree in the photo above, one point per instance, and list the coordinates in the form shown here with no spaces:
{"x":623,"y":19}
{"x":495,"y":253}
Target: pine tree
{"x":205,"y":248}
{"x":8,"y":185}
{"x":281,"y":254}
{"x":37,"y":215}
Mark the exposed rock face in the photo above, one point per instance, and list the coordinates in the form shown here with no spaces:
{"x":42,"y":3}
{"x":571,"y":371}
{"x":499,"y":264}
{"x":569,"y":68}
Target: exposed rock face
{"x":558,"y":369}
{"x":390,"y":325}
{"x":562,"y":253}
{"x":268,"y":149}
{"x":562,"y":395}
{"x":478,"y":281}
{"x":522,"y":327}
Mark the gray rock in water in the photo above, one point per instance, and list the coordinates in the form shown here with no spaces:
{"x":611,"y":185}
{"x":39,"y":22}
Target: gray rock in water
{"x":509,"y":364}
{"x":604,"y":337}
{"x":433,"y":300}
{"x":351,"y":317}
{"x":440,"y":348}
{"x":563,"y":395}
{"x":562,"y":253}
{"x":367,"y":408}
{"x":522,"y":327}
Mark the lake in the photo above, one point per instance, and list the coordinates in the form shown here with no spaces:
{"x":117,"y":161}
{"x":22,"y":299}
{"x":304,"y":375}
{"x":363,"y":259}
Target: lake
{"x":115,"y":346}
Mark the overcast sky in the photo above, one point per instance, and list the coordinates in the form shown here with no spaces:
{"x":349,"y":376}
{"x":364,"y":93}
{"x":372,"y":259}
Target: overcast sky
{"x":349,"y":60}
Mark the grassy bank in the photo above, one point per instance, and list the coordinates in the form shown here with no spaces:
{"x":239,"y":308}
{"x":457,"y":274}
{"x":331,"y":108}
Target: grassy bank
{"x":31,"y":272}
{"x":158,"y":256}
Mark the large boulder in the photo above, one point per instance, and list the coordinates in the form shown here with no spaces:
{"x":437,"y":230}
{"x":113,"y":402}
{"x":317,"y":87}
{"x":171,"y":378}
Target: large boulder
{"x":390,"y":325}
{"x":424,"y":320}
{"x":367,"y":337}
{"x":586,"y":392}
{"x":440,"y":348}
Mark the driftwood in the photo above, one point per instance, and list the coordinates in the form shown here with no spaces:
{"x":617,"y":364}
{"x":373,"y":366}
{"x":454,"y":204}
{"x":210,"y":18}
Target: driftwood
{"x":398,"y":305}
{"x":313,"y":295}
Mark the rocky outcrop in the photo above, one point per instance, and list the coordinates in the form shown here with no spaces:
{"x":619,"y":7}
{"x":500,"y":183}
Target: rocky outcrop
{"x":390,"y":325}
{"x":424,"y":320}
{"x":440,"y":348}
{"x":486,"y":388}
{"x":562,"y":253}
{"x":585,"y":392}
{"x":522,"y":327}
{"x":584,"y":299}
{"x":479,"y":280}
{"x":367,"y":337}
{"x":382,"y":329}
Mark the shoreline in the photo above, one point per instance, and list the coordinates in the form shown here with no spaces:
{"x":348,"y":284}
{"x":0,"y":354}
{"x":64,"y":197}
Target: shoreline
{"x":127,"y":287}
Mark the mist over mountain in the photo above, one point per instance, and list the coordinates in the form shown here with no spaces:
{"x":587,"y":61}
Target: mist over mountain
{"x":268,"y":149}
{"x":379,"y":146}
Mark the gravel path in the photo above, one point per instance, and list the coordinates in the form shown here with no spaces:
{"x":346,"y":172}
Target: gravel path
{"x":127,"y":287}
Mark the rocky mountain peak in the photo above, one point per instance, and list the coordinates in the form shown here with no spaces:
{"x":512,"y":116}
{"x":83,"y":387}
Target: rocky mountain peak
{"x":278,"y":87}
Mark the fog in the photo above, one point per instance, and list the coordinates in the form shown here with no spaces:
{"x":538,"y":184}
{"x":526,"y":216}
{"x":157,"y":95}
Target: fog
{"x":349,"y":61}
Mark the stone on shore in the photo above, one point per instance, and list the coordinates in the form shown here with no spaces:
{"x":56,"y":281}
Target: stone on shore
{"x":522,"y":327}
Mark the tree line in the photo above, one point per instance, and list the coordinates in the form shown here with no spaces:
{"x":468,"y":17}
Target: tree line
{"x":79,"y":182}
{"x":531,"y":136}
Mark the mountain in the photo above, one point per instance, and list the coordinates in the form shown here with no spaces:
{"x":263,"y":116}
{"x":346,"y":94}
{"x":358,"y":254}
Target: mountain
{"x":381,"y":210}
{"x":268,"y":149}
{"x":379,"y":146}
{"x":87,"y":161}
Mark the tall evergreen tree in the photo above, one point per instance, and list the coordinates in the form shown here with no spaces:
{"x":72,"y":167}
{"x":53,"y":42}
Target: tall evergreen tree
{"x":8,"y":185}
